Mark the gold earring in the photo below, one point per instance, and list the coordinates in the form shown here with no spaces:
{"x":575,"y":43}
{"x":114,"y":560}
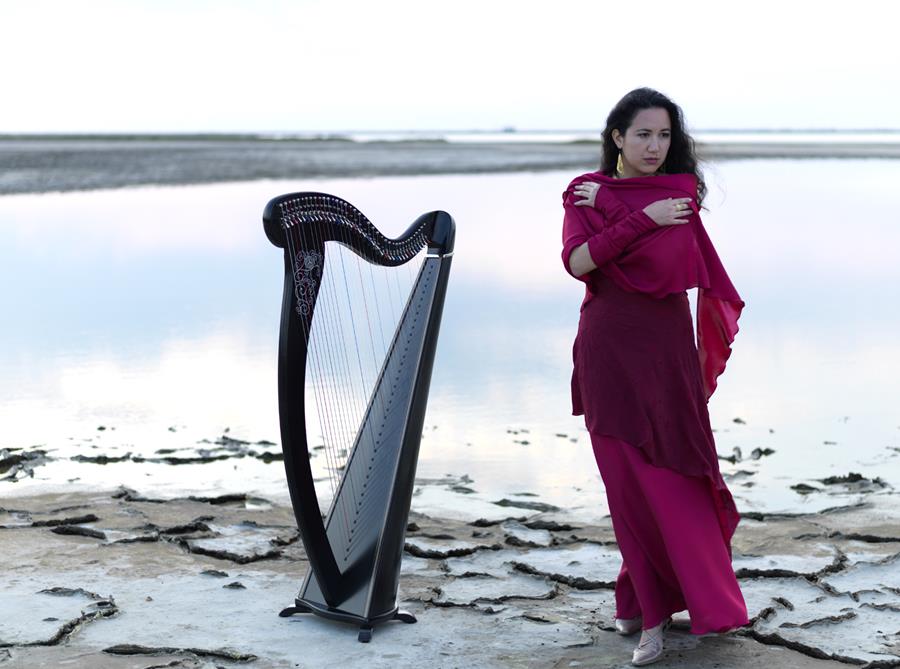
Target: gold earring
{"x":620,"y":167}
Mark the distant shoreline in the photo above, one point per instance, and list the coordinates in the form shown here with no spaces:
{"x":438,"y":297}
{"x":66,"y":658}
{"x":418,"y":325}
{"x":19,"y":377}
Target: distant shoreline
{"x":434,"y":135}
{"x":59,"y":163}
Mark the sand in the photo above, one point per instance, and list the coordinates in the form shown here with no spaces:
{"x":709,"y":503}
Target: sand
{"x":116,"y":578}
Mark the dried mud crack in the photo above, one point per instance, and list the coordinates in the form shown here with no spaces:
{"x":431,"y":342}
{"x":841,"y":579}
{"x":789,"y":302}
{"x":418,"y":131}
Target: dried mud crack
{"x":218,"y":653}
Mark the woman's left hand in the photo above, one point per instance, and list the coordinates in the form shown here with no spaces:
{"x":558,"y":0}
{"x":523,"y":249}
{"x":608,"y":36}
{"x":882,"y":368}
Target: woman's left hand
{"x":587,"y":190}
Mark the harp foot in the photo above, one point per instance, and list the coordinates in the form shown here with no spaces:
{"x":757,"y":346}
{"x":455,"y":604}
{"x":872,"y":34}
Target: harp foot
{"x":365,"y":631}
{"x":366,"y":625}
{"x":405,"y":616}
{"x":291,"y":610}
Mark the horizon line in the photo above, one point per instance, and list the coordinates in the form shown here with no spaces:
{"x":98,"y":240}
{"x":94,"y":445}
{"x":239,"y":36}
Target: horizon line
{"x":275,"y":134}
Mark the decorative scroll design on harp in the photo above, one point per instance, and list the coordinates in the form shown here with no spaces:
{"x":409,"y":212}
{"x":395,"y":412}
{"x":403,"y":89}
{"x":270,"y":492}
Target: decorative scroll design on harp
{"x":307,"y":268}
{"x":354,"y":550}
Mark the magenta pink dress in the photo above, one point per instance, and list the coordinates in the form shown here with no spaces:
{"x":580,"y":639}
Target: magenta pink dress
{"x":643,"y":385}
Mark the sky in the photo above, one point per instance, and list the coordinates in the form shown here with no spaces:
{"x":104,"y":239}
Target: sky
{"x":333,"y":65}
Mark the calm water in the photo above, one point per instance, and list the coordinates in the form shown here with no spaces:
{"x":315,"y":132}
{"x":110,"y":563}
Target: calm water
{"x":153,"y":312}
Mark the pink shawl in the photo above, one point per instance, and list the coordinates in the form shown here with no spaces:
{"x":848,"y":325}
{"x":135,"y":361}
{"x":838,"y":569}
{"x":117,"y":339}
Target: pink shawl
{"x":664,"y":260}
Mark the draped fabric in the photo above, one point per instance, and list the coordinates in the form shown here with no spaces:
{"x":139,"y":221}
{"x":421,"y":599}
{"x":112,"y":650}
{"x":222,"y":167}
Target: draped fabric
{"x":639,"y":375}
{"x":673,"y":557}
{"x":640,"y":256}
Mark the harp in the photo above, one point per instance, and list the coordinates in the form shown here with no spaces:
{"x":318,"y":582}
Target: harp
{"x":354,"y":548}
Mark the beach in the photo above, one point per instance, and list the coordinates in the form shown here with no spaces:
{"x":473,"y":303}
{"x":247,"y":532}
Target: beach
{"x":116,"y":579}
{"x":144,"y":518}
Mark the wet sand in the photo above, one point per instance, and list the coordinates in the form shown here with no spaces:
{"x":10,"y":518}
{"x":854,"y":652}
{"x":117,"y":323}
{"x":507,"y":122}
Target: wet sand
{"x":118,"y":578}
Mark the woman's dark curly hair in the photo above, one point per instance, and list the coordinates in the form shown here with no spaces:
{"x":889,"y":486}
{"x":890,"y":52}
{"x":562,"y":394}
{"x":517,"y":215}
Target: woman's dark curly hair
{"x":681,"y":158}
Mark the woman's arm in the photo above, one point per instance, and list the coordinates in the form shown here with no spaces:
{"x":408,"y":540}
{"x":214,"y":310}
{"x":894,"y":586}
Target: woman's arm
{"x":584,"y":250}
{"x":581,"y":262}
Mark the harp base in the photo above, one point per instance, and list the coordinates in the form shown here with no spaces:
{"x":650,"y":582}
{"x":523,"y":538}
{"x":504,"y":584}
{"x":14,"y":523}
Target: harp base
{"x":366,"y":625}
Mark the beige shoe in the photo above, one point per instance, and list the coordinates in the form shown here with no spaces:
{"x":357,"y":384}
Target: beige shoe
{"x":650,"y":647}
{"x":628,"y":626}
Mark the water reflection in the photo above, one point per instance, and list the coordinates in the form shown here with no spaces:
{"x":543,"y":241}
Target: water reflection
{"x":152,"y":308}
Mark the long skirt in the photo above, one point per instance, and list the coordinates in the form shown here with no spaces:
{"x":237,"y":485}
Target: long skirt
{"x":674,"y":555}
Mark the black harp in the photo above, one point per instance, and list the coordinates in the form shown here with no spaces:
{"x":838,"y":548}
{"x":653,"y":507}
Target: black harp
{"x":355,"y":548}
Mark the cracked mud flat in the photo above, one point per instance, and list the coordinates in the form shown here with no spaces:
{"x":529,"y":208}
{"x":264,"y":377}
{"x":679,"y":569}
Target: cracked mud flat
{"x":119,"y":579}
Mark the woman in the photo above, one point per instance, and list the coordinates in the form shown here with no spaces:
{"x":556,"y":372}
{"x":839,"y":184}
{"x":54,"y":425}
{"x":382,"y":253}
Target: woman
{"x":632,"y":233}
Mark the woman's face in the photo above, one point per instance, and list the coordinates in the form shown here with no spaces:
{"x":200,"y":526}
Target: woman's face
{"x":645,"y":143}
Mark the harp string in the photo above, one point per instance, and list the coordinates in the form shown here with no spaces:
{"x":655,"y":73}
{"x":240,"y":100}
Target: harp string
{"x":346,"y":401}
{"x":368,"y":290}
{"x":353,"y":366}
{"x":324,"y":377}
{"x":314,"y":367}
{"x":348,"y":338}
{"x":356,"y":390}
{"x":354,"y":478}
{"x":339,"y":399}
{"x":378,"y":356}
{"x":386,"y":322}
{"x":325,"y":380}
{"x":380,"y":325}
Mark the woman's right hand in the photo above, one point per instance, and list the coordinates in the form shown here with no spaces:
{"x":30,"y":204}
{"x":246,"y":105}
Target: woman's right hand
{"x":588,"y":191}
{"x":669,"y":211}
